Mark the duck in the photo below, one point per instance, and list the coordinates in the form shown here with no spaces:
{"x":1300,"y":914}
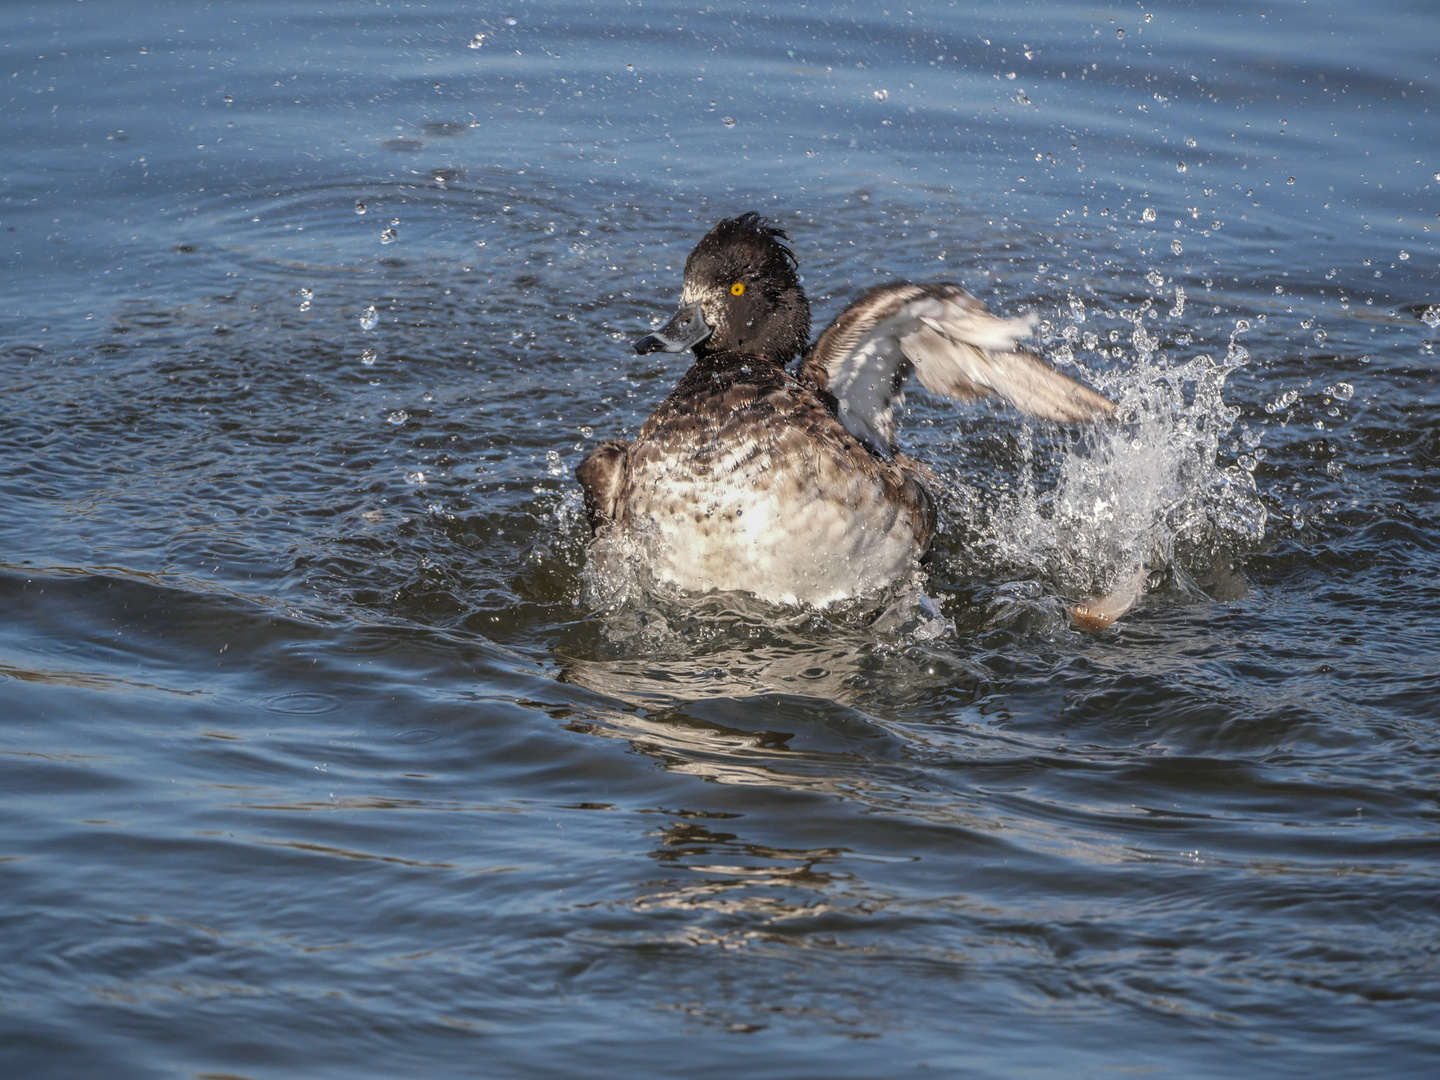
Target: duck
{"x":789,"y":485}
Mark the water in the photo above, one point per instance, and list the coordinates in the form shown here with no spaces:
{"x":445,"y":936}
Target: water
{"x":319,"y":758}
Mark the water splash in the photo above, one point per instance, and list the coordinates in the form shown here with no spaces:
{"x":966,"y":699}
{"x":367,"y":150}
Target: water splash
{"x":1149,"y":495}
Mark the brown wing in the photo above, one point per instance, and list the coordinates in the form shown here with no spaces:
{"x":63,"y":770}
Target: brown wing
{"x":602,"y":476}
{"x":953,"y":345}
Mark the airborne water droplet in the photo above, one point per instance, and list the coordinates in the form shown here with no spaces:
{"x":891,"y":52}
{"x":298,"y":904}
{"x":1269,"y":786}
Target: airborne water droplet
{"x":398,"y":417}
{"x":368,"y":357}
{"x":369,"y":317}
{"x":360,"y":206}
{"x":389,"y":236}
{"x":1149,"y":214}
{"x":1176,"y":247}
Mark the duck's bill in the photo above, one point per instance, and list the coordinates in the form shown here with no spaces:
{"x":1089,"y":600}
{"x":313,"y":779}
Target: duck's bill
{"x":686,"y":330}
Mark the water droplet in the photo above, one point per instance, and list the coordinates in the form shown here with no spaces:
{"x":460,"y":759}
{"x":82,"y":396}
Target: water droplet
{"x":1179,"y":166}
{"x":1023,"y":99}
{"x":1176,"y":247}
{"x":1010,"y":75}
{"x":1284,"y":401}
{"x":369,"y":317}
{"x":1179,"y":307}
{"x":1077,"y":309}
{"x":389,"y":236}
{"x":1404,"y":255}
{"x":1431,"y":316}
{"x":1149,"y":17}
{"x":477,"y":41}
{"x":360,"y":206}
{"x":1148,"y":214}
{"x":1341,"y":391}
{"x":587,"y":432}
{"x":368,"y":357}
{"x":415,"y":477}
{"x":398,"y":417}
{"x":1290,"y":181}
{"x":553,"y":465}
{"x":510,"y":20}
{"x":306,"y":295}
{"x":729,"y":121}
{"x":1119,"y":33}
{"x":1155,"y":279}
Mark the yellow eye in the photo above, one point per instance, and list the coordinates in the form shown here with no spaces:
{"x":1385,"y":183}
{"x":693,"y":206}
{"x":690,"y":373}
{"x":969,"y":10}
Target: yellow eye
{"x":738,"y":289}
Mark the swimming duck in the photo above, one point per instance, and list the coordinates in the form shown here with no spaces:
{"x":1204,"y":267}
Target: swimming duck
{"x":790,"y":486}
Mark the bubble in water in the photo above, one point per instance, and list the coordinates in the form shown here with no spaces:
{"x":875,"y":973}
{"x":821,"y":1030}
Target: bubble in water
{"x":398,"y":417}
{"x":369,"y":317}
{"x":360,"y":206}
{"x":1148,"y":214}
{"x":1176,"y":247}
{"x":389,"y":236}
{"x":1431,"y":316}
{"x":881,"y":95}
{"x":368,"y":357}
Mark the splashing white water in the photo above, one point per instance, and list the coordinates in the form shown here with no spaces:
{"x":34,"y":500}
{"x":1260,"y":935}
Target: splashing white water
{"x":1148,"y":494}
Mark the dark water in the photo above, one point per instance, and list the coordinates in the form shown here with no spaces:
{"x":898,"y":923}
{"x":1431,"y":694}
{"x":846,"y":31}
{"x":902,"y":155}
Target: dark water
{"x":319,"y":759}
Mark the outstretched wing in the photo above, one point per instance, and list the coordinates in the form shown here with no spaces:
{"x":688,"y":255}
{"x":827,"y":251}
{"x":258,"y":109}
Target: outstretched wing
{"x":953,"y":345}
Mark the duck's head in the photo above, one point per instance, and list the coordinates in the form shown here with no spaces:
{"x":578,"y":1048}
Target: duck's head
{"x":740,"y":295}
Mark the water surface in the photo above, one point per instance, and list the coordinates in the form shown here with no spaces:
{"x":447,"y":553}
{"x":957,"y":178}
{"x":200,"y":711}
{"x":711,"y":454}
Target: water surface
{"x":323,"y":754}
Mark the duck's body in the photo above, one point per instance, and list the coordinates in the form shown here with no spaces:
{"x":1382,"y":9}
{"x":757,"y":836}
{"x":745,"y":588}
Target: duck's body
{"x":744,"y":479}
{"x":750,"y":478}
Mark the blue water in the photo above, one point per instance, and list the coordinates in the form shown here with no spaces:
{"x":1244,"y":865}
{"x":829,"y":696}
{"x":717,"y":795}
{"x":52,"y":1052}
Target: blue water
{"x":324,"y":754}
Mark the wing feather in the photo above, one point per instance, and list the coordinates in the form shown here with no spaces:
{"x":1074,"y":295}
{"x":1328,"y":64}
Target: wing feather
{"x":954,"y":346}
